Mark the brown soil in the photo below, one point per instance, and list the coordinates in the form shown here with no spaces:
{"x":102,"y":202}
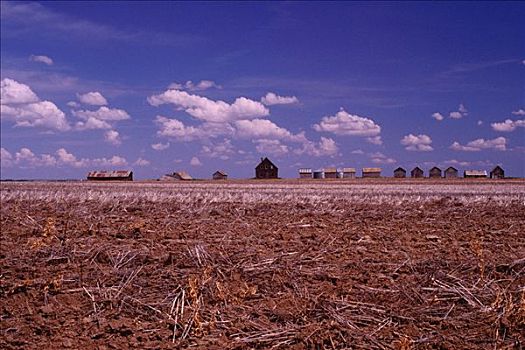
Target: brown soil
{"x":442,"y":274}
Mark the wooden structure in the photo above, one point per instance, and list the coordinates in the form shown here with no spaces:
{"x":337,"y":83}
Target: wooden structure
{"x":220,"y":175}
{"x":475,"y":174}
{"x":330,"y":173}
{"x":177,"y":176}
{"x":451,"y":173}
{"x":417,"y":172}
{"x":266,"y":170}
{"x":434,"y":173}
{"x":497,"y":173}
{"x":348,"y":173}
{"x":305,"y":173}
{"x":400,"y":173}
{"x":116,"y":175}
{"x":318,"y":174}
{"x":371,"y":172}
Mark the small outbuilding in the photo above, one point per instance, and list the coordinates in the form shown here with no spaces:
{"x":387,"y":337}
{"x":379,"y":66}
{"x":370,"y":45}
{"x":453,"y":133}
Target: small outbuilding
{"x":330,"y":173}
{"x":319,"y":174}
{"x":349,"y":173}
{"x":434,"y":173}
{"x":177,"y":176}
{"x":417,"y":172}
{"x":305,"y":173}
{"x":451,"y":172}
{"x":220,"y":175}
{"x":497,"y":173}
{"x":266,"y":170}
{"x":371,"y":172}
{"x":400,"y":173}
{"x":475,"y":174}
{"x":116,"y":175}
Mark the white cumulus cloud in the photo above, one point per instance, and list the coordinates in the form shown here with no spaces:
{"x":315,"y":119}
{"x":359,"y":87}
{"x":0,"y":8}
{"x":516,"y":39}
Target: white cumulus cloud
{"x":325,"y":147}
{"x":438,"y":116}
{"x":113,"y":137}
{"x":177,"y":130}
{"x":209,"y":110}
{"x":420,"y":143}
{"x":380,"y":158}
{"x":190,"y":86}
{"x":93,"y":98}
{"x":22,"y":106}
{"x":160,"y":146}
{"x":195,"y":161}
{"x":508,"y":125}
{"x":221,"y":150}
{"x":273,"y":99}
{"x":142,"y":162}
{"x":6,"y":158}
{"x":519,"y":112}
{"x":272,"y":147}
{"x":499,"y":143}
{"x":344,"y":123}
{"x":103,"y":113}
{"x":42,"y":59}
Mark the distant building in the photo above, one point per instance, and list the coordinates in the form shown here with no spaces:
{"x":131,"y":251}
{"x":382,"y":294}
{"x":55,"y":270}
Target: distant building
{"x":117,"y":175}
{"x":177,"y":176}
{"x":417,"y":172}
{"x":434,"y":173}
{"x":497,"y":173}
{"x":400,"y":173}
{"x":305,"y":173}
{"x":220,"y":175}
{"x":451,"y":173}
{"x":266,"y":170}
{"x":319,"y":174}
{"x":371,"y":172}
{"x":475,"y":174}
{"x":348,"y":173}
{"x":330,"y":173}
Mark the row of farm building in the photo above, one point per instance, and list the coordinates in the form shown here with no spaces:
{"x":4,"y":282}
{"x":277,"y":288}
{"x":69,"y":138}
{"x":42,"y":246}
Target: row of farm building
{"x":417,"y":172}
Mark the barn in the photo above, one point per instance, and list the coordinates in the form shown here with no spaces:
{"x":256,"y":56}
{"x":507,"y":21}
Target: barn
{"x":266,"y":170}
{"x":177,"y":176}
{"x":305,"y":173}
{"x":417,"y":172}
{"x":348,"y":173}
{"x":116,"y":175}
{"x":451,"y":173}
{"x":434,"y":173}
{"x":475,"y":174}
{"x":330,"y":173}
{"x":220,"y":175}
{"x":400,"y":173}
{"x":497,"y":173}
{"x":371,"y":172}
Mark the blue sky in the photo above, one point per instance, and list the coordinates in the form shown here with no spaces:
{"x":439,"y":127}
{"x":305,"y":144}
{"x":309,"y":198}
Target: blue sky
{"x":159,"y":87}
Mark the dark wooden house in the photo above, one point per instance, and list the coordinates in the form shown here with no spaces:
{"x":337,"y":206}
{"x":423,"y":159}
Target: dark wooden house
{"x":400,"y":173}
{"x":497,"y":173}
{"x":417,"y":172}
{"x":434,"y":173}
{"x":371,"y":172}
{"x":117,"y":175}
{"x":266,"y":170}
{"x":451,"y":173}
{"x":220,"y":175}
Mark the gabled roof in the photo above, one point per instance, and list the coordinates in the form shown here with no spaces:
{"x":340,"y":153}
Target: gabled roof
{"x":267,"y":161}
{"x":435,"y":168}
{"x":400,"y":169}
{"x":450,"y":168}
{"x":497,"y":167}
{"x":348,"y":170}
{"x":417,"y":169}
{"x":220,"y":172}
{"x":110,"y":174}
{"x":371,"y":170}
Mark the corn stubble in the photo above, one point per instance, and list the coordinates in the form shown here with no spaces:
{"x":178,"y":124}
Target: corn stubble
{"x":386,"y":265}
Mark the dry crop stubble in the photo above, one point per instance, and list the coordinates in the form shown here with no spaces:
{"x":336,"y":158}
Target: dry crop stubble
{"x":278,"y":264}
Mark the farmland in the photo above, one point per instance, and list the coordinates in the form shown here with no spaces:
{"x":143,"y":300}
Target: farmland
{"x":378,"y":264}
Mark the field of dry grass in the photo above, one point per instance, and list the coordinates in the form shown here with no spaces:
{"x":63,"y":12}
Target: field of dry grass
{"x":279,"y":264}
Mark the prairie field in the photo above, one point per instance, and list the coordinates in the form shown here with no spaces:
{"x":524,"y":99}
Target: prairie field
{"x":378,"y":264}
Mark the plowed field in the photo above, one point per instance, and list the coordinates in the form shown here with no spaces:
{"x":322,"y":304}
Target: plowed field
{"x":236,"y":265}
